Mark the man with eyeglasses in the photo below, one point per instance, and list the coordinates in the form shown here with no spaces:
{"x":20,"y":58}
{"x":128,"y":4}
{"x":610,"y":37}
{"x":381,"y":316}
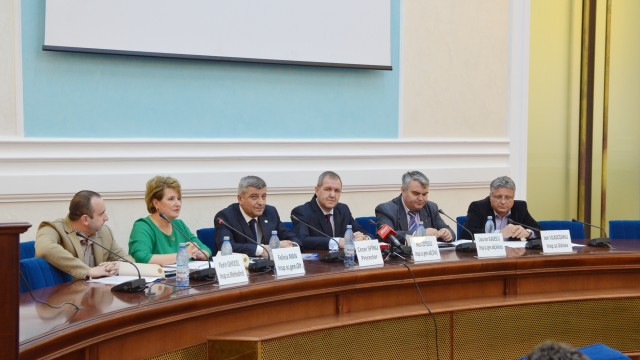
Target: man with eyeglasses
{"x":501,"y":206}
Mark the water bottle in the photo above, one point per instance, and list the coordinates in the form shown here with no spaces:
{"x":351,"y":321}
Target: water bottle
{"x":349,"y":248}
{"x":226,"y":248}
{"x":274,"y":242}
{"x":489,"y":226}
{"x":421,"y":230}
{"x":182,"y":266}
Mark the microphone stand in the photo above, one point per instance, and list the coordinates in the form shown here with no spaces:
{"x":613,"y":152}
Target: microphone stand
{"x":258,"y":264}
{"x":202,"y":274}
{"x":597,"y":242}
{"x":130,"y":286}
{"x":534,"y":244}
{"x":331,"y":256}
{"x":464,"y":247}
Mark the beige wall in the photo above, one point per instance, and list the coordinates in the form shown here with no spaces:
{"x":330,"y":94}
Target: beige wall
{"x":623,"y":173}
{"x":455,"y":67}
{"x":554,"y":110}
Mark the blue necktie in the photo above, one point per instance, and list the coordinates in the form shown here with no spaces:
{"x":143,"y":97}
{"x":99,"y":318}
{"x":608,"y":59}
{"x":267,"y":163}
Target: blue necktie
{"x":413,"y":222}
{"x":252,"y":226}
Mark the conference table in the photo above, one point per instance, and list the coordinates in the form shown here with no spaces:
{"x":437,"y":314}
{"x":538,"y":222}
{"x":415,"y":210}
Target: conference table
{"x":493,"y":308}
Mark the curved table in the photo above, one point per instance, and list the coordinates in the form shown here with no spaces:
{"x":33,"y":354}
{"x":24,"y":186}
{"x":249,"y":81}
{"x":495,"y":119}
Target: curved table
{"x":482,"y":308}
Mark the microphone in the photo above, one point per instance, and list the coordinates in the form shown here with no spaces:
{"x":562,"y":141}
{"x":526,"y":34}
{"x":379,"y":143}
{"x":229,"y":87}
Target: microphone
{"x":464,"y":247}
{"x":331,"y":256}
{"x":202,"y":274}
{"x":258,"y":264}
{"x":597,"y":242}
{"x":386,"y":232}
{"x":130,"y":286}
{"x":533,"y":243}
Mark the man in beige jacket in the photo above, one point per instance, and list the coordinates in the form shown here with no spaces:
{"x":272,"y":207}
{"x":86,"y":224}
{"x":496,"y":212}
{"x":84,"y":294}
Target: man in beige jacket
{"x":58,"y":242}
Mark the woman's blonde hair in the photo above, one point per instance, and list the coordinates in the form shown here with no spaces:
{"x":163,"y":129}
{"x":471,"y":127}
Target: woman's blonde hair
{"x":155,"y":190}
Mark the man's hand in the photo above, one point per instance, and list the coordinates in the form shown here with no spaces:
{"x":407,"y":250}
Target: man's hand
{"x":515,"y":231}
{"x":286,"y":243}
{"x":104,"y":269}
{"x":444,"y":234}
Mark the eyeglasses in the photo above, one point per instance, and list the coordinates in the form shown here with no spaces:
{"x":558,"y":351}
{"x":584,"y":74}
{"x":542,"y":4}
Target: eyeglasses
{"x":502,"y":198}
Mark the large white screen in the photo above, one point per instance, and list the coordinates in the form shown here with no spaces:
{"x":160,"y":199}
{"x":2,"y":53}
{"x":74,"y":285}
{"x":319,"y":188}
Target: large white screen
{"x":352,"y":33}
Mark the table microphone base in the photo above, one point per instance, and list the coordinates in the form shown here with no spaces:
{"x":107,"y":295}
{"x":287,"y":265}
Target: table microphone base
{"x":535,"y":244}
{"x":130,"y":286}
{"x":261,"y":265}
{"x":469,"y":247}
{"x":208,"y":274}
{"x":600,"y":242}
{"x":333,"y":256}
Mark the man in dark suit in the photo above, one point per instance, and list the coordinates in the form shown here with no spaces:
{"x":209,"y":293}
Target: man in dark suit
{"x":501,"y":206}
{"x":325,"y":213}
{"x":254,"y":218}
{"x":411,"y":208}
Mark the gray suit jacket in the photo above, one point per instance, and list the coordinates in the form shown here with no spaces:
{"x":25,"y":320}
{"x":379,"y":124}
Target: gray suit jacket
{"x":392,"y":213}
{"x":57,"y":242}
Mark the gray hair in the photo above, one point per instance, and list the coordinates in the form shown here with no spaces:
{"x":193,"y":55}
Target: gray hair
{"x":414,"y":175}
{"x":550,"y":350}
{"x":328,"y":174}
{"x":502,"y":182}
{"x":250,"y":181}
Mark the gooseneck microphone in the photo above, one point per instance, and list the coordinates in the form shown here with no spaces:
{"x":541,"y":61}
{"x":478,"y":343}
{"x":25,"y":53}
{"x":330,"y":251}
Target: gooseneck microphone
{"x":464,"y":247}
{"x":202,"y":274}
{"x":258,"y":264}
{"x":331,"y":256}
{"x":597,"y":242}
{"x":531,"y":243}
{"x":128,"y":286}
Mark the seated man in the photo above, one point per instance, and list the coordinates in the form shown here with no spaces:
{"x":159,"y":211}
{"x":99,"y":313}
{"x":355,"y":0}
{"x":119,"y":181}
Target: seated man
{"x":253,"y":218}
{"x":58,"y":243}
{"x":500,"y":204}
{"x":326,"y":214}
{"x":405,"y":212}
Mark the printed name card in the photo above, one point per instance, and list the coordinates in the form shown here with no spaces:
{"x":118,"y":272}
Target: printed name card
{"x":556,"y":241}
{"x":490,"y":245}
{"x":424,"y":248}
{"x":368,"y":253}
{"x":230,"y":269}
{"x":288,"y":261}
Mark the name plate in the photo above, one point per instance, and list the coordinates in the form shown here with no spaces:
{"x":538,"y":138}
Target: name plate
{"x":490,"y":245}
{"x":288,"y":261}
{"x":368,"y":253}
{"x":230,"y":269}
{"x":424,"y":248}
{"x":556,"y":241}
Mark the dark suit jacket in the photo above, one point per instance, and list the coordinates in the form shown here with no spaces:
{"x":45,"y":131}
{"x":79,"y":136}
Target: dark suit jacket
{"x":270,"y":220}
{"x":393,"y":214}
{"x":479,"y":210}
{"x":311,"y":213}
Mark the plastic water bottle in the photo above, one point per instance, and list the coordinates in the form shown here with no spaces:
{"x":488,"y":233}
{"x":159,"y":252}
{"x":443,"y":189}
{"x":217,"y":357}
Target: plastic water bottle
{"x":349,"y":248}
{"x":182,"y":266}
{"x":226,"y":248}
{"x":274,"y":242}
{"x":489,"y":226}
{"x":421,"y":230}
